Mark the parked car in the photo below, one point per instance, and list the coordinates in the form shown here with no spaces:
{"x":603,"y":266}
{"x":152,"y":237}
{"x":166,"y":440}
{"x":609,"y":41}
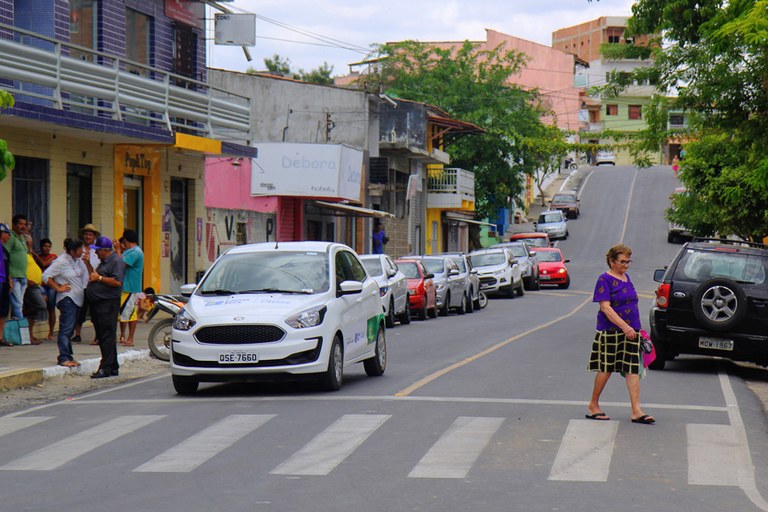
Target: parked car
{"x":297,"y":308}
{"x":499,"y":271}
{"x":532,"y":239}
{"x":393,"y":288}
{"x":422,"y":291}
{"x":553,"y":223}
{"x":552,"y":269}
{"x":605,"y":157}
{"x":470,"y":273}
{"x":529,"y":262}
{"x":451,"y":285}
{"x":712,"y":300}
{"x":675,"y":232}
{"x":568,"y":203}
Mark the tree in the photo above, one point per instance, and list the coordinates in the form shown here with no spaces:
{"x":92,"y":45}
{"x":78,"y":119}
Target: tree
{"x":7,"y":162}
{"x":282,"y":67}
{"x":472,"y":85}
{"x":713,"y":65}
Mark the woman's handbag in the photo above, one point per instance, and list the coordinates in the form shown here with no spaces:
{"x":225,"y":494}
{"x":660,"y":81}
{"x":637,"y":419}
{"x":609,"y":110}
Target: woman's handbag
{"x":647,"y":350}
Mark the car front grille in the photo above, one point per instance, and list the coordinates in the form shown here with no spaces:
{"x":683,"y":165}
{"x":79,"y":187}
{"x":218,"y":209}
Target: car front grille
{"x":239,"y":334}
{"x":488,"y":280}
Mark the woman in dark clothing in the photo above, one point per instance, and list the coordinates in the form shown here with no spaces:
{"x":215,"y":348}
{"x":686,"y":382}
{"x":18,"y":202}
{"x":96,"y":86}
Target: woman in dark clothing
{"x":616,"y":347}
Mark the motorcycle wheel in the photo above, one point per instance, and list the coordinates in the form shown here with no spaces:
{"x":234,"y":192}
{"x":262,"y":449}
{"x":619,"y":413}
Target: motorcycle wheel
{"x":159,"y":339}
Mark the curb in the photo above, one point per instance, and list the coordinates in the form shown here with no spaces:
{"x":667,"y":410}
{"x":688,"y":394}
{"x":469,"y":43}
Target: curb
{"x":27,"y":377}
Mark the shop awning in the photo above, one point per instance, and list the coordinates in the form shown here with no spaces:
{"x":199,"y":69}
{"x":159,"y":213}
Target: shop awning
{"x":353,"y":211}
{"x":468,"y":221}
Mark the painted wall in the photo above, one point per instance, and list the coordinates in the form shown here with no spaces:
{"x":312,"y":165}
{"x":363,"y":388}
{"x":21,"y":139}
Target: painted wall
{"x":228,"y":185}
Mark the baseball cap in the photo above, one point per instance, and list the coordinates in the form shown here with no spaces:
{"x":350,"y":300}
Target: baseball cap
{"x":4,"y":228}
{"x":102,"y":243}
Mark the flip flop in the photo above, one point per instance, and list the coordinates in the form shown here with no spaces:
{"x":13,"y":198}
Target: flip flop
{"x":599,"y":416}
{"x":645,"y":419}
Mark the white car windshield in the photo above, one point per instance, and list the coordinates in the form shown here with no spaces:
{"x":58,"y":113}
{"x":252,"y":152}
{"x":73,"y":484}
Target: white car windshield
{"x":266,"y":272}
{"x":489,"y":258}
{"x":433,"y":265}
{"x":546,"y":218}
{"x":373,"y":266}
{"x":460,"y":263}
{"x":563,"y":198}
{"x":518,"y":251}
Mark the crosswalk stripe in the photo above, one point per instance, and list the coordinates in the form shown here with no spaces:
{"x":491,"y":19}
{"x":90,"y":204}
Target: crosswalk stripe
{"x":329,"y":448}
{"x":9,"y":425}
{"x":585,"y":451}
{"x":61,"y":452}
{"x":189,"y":454}
{"x":453,"y":455}
{"x":711,"y":455}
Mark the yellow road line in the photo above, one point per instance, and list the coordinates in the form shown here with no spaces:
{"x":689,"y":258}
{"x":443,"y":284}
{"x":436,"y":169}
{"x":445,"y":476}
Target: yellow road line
{"x":429,"y":378}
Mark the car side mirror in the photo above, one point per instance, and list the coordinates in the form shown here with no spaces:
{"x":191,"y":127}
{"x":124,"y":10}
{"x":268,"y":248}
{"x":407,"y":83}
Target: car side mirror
{"x":512,"y":261}
{"x":429,"y":275}
{"x":453,"y":272}
{"x":658,"y":274}
{"x":473,"y":271}
{"x":391,"y":273}
{"x":187,"y":290}
{"x":349,"y":288}
{"x":566,"y":261}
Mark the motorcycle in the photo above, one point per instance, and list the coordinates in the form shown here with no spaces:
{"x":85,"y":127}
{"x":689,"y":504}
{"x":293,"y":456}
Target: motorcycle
{"x":571,"y":164}
{"x":159,"y":339}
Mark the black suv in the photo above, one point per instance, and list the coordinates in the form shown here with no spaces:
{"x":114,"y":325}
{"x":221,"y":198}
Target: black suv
{"x":713,"y":300}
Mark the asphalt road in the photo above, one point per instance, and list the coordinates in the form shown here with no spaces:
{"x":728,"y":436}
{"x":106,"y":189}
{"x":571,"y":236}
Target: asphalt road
{"x":481,"y":412}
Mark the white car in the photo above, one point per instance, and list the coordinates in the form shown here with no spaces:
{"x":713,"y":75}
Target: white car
{"x":499,"y":271}
{"x":553,"y":223}
{"x":393,"y":287}
{"x":605,"y":157}
{"x":261,"y":310}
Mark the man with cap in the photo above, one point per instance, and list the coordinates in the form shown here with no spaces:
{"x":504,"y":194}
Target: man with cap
{"x":105,"y":285}
{"x":88,"y":234}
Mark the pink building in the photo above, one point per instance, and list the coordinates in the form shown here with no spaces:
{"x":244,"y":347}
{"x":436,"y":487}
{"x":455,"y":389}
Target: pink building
{"x":549,"y":70}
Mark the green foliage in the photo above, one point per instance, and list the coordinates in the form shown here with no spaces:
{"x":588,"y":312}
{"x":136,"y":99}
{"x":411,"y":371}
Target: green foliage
{"x":472,"y":85}
{"x":282,"y":67}
{"x":714,"y":63}
{"x":613,"y":51}
{"x":7,"y":162}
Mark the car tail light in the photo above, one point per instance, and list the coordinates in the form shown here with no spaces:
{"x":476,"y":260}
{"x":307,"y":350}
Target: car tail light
{"x":662,"y":295}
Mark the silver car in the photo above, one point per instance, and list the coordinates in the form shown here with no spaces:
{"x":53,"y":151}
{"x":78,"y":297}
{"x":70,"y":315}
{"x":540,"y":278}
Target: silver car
{"x":393,"y":287}
{"x":473,"y":280}
{"x":529,"y":262}
{"x":499,"y":271}
{"x":451,"y":285}
{"x":553,"y":223}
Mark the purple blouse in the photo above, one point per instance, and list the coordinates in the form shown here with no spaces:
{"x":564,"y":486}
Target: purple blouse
{"x":623,"y":299}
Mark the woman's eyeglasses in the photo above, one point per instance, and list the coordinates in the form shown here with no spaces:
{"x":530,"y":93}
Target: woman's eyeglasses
{"x":623,"y":262}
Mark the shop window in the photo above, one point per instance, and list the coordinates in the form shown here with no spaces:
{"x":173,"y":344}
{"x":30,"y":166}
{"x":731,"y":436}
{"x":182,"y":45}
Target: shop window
{"x":611,"y":110}
{"x":635,"y":112}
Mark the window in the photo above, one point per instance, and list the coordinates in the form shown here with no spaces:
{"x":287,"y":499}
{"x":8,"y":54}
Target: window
{"x":79,"y":194}
{"x":82,"y":23}
{"x":611,"y":110}
{"x":614,"y":39}
{"x":635,"y":112}
{"x":137,"y":40}
{"x":676,"y":120}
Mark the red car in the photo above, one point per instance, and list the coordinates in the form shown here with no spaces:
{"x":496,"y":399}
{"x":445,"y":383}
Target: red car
{"x":422,"y":291}
{"x":552,"y":267}
{"x":535,"y":240}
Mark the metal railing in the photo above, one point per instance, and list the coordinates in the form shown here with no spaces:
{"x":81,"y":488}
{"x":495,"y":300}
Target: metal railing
{"x":49,"y":72}
{"x":452,"y":180}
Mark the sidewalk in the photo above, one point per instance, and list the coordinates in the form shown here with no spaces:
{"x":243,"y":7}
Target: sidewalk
{"x":28,"y":365}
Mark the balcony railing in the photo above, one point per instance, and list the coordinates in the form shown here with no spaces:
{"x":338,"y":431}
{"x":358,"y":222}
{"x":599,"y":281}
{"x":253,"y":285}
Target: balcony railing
{"x":41,"y":70}
{"x":451,"y":188}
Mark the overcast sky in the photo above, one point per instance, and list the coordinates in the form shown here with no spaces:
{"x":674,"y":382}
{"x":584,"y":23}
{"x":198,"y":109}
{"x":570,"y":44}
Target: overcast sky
{"x":357,"y":24}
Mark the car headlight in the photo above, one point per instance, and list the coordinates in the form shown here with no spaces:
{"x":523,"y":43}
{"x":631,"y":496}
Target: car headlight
{"x":183,"y":321}
{"x":440,"y":287}
{"x":308,"y":318}
{"x":383,"y":290}
{"x":561,"y":271}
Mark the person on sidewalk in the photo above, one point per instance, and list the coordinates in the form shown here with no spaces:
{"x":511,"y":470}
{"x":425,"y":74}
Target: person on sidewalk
{"x":88,"y":234}
{"x":103,"y":294}
{"x":17,"y":249}
{"x":35,"y":308}
{"x":5,"y":293}
{"x":45,"y":259}
{"x":68,"y":276}
{"x":133,"y":257}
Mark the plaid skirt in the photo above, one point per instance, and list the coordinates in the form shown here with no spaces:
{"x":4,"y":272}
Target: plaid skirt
{"x":613,"y":352}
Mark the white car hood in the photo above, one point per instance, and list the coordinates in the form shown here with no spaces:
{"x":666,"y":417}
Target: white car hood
{"x":491,"y":269}
{"x":252,"y":307}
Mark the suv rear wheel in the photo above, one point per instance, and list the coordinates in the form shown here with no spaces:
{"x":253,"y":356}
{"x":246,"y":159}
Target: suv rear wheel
{"x":719,"y":304}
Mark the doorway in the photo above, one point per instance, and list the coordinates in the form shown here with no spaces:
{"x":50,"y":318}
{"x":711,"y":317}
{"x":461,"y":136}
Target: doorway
{"x":30,"y":194}
{"x":133,"y":204}
{"x":178,"y":242}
